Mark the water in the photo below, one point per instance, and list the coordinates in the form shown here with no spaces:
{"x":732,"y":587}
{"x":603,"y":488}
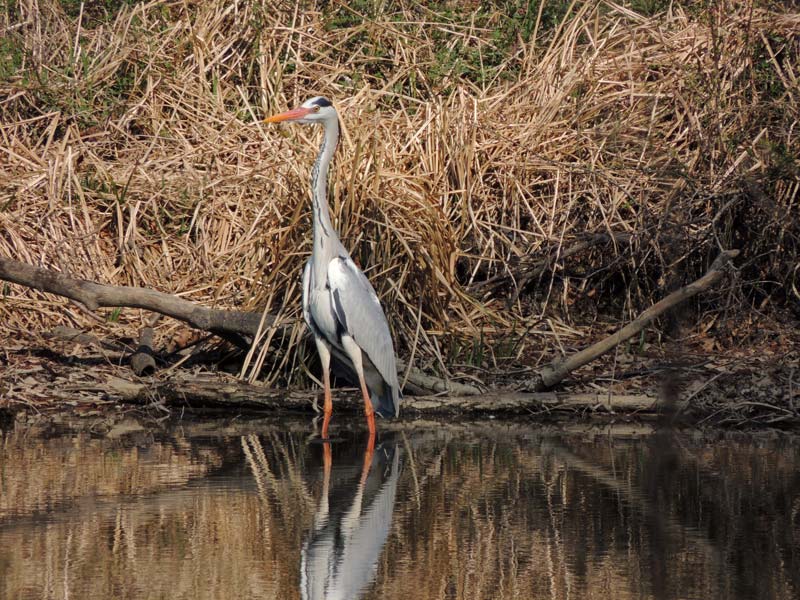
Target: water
{"x":492,"y":510}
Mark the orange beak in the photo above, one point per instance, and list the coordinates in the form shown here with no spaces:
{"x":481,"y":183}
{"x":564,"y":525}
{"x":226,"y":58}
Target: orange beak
{"x":289,"y":115}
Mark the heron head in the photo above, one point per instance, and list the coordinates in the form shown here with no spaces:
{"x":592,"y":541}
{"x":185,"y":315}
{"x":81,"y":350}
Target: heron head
{"x":314,"y":110}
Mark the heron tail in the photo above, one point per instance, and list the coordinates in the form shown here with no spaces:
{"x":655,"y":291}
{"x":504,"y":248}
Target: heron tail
{"x":386,"y":401}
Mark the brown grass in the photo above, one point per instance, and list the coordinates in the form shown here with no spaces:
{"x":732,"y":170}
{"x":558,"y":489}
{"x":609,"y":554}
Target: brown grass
{"x":131,"y":153}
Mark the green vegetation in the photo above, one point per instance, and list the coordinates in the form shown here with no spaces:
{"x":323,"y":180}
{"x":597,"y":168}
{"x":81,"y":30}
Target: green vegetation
{"x":95,"y":11}
{"x":10,"y":58}
{"x":469,"y":41}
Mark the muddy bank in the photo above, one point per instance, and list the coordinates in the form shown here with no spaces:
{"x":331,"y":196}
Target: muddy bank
{"x":755,"y":387}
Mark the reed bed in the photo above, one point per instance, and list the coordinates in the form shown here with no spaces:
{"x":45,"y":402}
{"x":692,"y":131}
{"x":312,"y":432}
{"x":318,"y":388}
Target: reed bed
{"x":510,"y":174}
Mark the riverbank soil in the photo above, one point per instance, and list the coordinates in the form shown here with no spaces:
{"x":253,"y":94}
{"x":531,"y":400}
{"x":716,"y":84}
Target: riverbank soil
{"x":698,"y":379}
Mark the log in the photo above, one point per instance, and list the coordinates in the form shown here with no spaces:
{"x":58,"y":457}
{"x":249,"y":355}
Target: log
{"x":94,"y":295}
{"x":555,"y":373}
{"x":221,"y":392}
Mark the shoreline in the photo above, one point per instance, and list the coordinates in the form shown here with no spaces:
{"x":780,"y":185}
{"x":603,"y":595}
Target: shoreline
{"x":42,"y":381}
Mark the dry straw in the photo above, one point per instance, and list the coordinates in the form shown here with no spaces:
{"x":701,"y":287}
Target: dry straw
{"x":476,"y":142}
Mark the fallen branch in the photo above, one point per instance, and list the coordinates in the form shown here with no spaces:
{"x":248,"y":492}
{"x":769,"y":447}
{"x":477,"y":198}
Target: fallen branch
{"x":94,"y":295}
{"x":553,"y":374}
{"x":429,"y":383}
{"x":228,"y":324}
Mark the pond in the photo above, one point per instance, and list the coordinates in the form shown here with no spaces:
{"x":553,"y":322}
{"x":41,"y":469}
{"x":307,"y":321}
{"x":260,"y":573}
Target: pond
{"x":261,"y":509}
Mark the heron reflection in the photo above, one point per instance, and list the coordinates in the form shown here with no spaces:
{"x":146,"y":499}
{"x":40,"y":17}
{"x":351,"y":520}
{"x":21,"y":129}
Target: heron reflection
{"x":339,"y":557}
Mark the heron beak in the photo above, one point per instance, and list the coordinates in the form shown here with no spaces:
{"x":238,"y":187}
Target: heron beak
{"x":289,"y":115}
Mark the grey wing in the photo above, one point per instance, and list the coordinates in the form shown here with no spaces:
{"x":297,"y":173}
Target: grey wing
{"x":308,"y":317}
{"x":359,"y":312}
{"x":306,"y":297}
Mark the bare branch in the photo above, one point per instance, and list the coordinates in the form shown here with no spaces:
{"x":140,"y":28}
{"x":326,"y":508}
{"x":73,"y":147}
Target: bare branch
{"x":94,"y":295}
{"x":551,"y":375}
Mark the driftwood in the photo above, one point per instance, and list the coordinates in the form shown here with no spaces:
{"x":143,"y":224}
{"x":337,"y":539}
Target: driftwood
{"x":217,"y":391}
{"x":555,"y":373}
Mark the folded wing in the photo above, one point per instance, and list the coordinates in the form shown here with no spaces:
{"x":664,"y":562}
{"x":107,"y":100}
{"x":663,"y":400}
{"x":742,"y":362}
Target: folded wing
{"x":359,"y":313}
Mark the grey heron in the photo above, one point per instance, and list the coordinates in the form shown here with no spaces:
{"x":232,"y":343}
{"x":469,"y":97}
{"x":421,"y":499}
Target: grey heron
{"x":340,"y":305}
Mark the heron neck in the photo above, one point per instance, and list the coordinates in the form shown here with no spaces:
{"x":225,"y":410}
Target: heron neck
{"x":323,"y":229}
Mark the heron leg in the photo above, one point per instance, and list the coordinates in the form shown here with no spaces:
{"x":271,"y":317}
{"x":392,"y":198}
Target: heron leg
{"x":327,"y":462}
{"x":368,"y":410}
{"x":354,"y":353}
{"x":328,"y":407}
{"x":325,"y":358}
{"x":368,"y":452}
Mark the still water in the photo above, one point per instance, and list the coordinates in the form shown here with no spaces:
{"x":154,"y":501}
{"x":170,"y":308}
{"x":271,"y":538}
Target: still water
{"x":518,"y":510}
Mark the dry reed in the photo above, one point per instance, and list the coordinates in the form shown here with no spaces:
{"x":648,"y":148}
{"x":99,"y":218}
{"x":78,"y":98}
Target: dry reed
{"x":131,"y":153}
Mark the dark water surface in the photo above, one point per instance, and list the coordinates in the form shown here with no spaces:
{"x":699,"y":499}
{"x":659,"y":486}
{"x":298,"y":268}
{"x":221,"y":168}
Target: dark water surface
{"x":493,"y":510}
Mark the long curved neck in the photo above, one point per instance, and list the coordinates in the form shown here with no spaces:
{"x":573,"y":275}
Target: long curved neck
{"x":324,"y":235}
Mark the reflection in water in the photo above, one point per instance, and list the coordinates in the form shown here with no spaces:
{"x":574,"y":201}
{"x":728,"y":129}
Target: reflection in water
{"x":352,"y":519}
{"x":341,"y":552}
{"x":256,"y":510}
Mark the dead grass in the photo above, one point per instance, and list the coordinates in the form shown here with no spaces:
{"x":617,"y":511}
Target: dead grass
{"x":132,"y":153}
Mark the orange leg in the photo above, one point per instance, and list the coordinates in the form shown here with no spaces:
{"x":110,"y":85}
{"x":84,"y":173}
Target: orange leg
{"x":325,"y":359}
{"x":328,"y":407}
{"x":354,"y":353}
{"x":369,"y":412}
{"x":368,"y":452}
